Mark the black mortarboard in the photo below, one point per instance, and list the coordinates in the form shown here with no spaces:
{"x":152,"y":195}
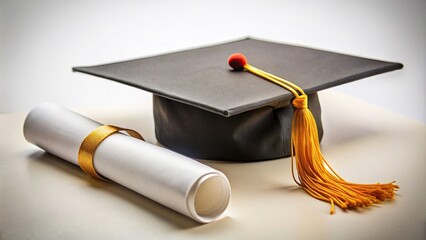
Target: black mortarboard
{"x":204,"y":109}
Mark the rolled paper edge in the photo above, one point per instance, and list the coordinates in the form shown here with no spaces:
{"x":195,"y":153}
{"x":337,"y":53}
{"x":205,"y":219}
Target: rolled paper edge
{"x":220,"y":207}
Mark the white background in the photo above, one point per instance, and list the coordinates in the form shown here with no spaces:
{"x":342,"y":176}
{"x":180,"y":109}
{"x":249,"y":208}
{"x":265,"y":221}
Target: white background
{"x":41,"y":40}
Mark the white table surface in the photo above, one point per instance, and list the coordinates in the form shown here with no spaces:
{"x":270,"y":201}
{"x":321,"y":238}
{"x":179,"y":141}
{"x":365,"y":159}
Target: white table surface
{"x":44,"y":197}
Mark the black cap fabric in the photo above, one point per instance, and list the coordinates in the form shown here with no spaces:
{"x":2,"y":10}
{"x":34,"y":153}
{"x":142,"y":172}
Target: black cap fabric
{"x":202,"y":78}
{"x":187,"y":83}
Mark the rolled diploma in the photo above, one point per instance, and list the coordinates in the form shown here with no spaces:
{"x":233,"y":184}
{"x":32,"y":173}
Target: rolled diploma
{"x":180,"y":183}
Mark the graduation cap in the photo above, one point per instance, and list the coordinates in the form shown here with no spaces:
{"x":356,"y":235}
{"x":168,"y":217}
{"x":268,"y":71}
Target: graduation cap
{"x":205,"y":109}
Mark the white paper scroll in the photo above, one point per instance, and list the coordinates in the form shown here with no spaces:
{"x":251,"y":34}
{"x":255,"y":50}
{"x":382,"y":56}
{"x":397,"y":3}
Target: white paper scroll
{"x":182,"y":184}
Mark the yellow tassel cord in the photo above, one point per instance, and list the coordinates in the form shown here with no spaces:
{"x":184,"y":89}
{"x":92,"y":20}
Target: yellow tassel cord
{"x":315,"y":175}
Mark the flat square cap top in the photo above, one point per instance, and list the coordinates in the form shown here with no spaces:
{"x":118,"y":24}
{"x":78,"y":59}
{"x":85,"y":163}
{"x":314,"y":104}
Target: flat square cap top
{"x":202,"y":78}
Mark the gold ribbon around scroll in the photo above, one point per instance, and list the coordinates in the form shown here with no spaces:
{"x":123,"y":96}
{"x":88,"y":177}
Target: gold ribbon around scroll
{"x":91,"y":143}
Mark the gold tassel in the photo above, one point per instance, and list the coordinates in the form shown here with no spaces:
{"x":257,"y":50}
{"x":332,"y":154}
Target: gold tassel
{"x":314,"y":173}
